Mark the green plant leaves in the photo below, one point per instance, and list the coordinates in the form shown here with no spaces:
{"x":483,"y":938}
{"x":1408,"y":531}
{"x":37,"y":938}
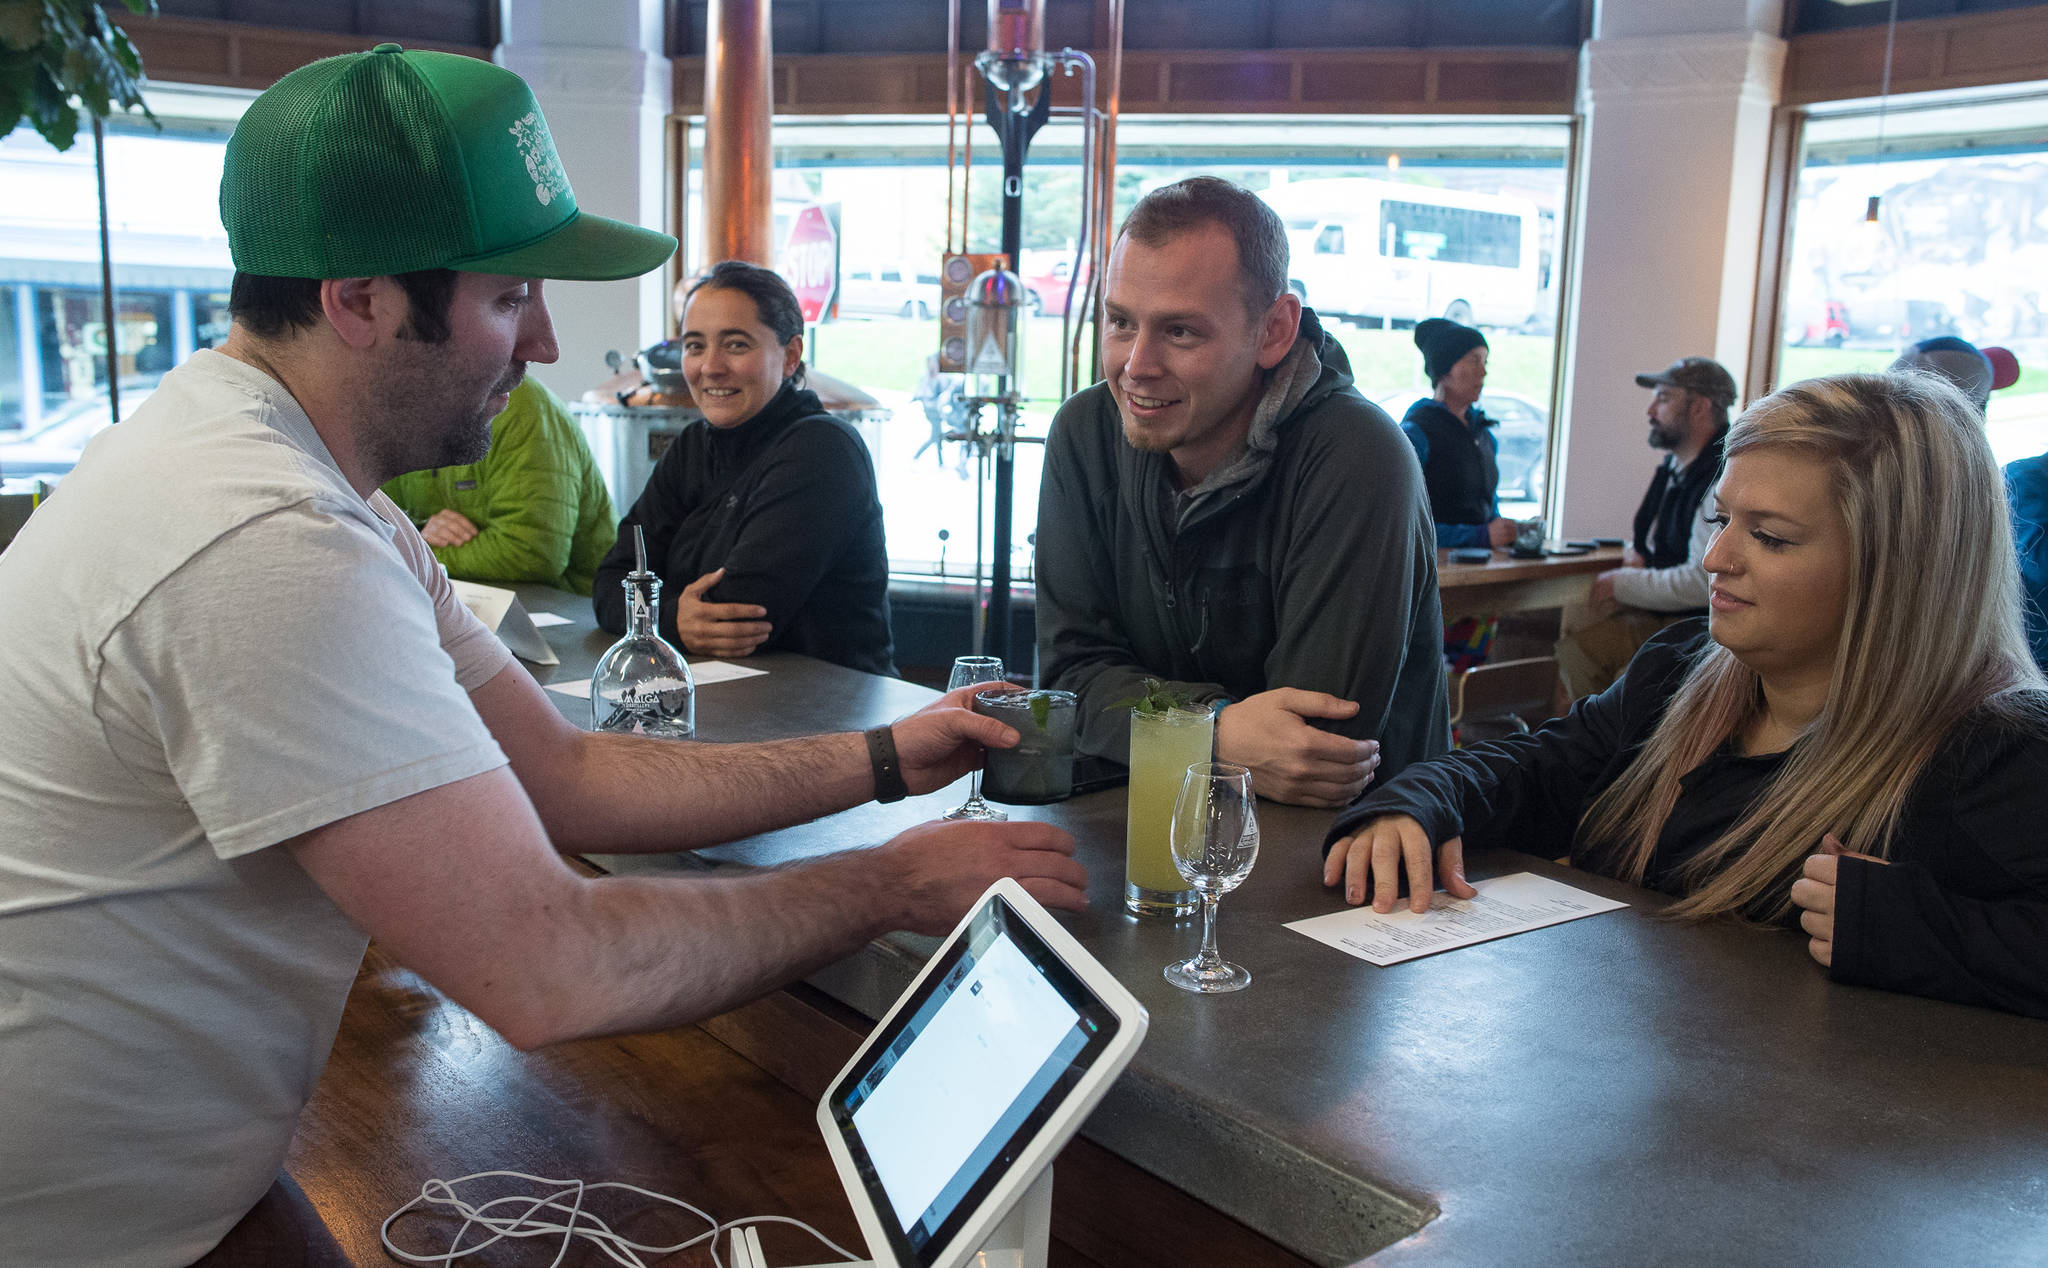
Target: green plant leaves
{"x":52,"y":51}
{"x":1158,"y":698}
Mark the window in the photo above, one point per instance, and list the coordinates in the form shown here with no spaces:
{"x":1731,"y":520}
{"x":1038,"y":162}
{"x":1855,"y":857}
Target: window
{"x":1959,"y":246}
{"x":1452,"y":235}
{"x":171,"y":267}
{"x":1492,"y":191}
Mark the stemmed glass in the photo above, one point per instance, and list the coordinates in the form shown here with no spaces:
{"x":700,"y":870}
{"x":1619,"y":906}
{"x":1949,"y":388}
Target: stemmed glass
{"x":967,"y":671}
{"x":1215,"y":839}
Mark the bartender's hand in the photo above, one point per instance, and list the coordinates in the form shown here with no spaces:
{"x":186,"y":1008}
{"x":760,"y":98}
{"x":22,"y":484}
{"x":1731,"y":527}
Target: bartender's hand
{"x":447,"y":528}
{"x":1500,"y":533}
{"x":1376,"y":855}
{"x":945,"y":739}
{"x":1814,"y":894}
{"x":1291,"y":760}
{"x":937,"y":870}
{"x":719,"y":629}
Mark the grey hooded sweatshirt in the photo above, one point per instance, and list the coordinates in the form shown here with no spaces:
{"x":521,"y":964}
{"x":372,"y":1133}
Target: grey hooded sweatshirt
{"x":1309,"y":560}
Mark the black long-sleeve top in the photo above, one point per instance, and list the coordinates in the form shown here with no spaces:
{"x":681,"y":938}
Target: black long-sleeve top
{"x":786,"y":504}
{"x":1960,"y":914}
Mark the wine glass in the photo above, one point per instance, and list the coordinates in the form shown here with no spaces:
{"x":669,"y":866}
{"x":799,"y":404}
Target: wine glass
{"x":1215,"y":839}
{"x":967,"y":671}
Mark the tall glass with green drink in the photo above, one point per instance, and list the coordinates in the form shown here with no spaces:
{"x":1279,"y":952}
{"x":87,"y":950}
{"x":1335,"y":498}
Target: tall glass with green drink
{"x":1163,"y":745}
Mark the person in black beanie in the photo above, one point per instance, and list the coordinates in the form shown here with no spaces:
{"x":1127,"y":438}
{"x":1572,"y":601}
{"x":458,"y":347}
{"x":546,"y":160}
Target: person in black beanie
{"x":1454,"y":441}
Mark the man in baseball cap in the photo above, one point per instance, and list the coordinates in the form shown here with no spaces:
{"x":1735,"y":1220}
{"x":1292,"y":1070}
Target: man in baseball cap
{"x":249,"y":725}
{"x":1662,"y":578}
{"x":1977,"y":371}
{"x":1703,"y":377}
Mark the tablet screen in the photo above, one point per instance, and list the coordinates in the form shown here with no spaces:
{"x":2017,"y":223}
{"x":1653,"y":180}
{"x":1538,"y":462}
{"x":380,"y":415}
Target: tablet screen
{"x":971,"y":1067}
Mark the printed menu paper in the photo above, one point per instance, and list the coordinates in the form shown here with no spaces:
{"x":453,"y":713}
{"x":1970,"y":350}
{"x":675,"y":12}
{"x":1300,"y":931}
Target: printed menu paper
{"x":701,"y":672}
{"x":500,"y":610}
{"x":1506,"y":905}
{"x":544,"y":619}
{"x":488,"y":603}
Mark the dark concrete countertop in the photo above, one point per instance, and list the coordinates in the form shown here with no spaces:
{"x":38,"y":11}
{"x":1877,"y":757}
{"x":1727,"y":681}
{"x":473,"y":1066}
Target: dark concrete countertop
{"x":1618,"y":1089}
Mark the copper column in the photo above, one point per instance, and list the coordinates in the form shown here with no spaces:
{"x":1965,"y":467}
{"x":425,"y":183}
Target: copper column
{"x":738,"y":155}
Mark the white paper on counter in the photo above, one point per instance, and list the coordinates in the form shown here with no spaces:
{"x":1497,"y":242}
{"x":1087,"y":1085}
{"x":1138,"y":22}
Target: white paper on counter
{"x":500,"y":611}
{"x":487,"y":603}
{"x":1506,"y":905}
{"x":544,"y":619}
{"x":701,"y":672}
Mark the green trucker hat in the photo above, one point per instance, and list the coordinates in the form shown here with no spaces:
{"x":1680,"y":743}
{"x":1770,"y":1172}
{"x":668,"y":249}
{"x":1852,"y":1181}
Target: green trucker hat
{"x":395,"y":160}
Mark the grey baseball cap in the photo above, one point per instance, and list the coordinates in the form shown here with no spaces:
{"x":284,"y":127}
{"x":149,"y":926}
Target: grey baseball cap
{"x":1701,"y":375}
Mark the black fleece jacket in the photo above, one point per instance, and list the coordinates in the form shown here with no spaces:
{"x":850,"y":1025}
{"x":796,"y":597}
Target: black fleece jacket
{"x":786,"y":504}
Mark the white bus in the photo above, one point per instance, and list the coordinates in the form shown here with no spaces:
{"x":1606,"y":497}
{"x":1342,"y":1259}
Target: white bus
{"x":1377,"y":249}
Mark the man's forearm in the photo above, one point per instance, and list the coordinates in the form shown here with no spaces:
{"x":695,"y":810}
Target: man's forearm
{"x":624,"y":794}
{"x":662,"y":952}
{"x":1682,"y":588}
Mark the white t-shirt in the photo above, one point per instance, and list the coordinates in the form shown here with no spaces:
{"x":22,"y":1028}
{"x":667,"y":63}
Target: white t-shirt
{"x":212,"y":645}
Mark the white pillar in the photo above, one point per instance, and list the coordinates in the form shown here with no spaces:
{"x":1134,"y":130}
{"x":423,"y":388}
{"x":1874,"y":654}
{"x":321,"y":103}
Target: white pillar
{"x":598,"y":70}
{"x":1677,"y":98}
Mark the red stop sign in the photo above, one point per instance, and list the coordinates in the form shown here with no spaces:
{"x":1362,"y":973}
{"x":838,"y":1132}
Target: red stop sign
{"x":810,"y":261}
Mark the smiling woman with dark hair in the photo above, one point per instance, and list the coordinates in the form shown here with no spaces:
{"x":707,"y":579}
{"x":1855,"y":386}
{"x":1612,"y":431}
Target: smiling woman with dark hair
{"x":1855,"y":740}
{"x":762,"y":518}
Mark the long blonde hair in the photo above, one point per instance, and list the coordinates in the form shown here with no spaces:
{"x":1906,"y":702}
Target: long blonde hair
{"x":1931,"y":633}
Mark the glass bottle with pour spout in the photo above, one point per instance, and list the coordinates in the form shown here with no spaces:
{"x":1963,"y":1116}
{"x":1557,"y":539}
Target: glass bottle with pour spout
{"x":642,"y":685}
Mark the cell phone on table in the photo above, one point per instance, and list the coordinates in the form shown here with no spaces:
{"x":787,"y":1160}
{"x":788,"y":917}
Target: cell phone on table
{"x":1093,"y":774}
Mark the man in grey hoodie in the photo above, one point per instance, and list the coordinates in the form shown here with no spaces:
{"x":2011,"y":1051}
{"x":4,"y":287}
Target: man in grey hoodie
{"x":1226,"y":513}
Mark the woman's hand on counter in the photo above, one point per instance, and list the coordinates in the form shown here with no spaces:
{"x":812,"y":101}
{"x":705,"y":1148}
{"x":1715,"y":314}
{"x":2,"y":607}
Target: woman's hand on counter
{"x":1376,"y":855}
{"x":718,"y":629}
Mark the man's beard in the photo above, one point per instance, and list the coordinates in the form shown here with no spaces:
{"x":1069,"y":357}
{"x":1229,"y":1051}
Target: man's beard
{"x":1663,"y":437}
{"x":470,"y":442}
{"x":429,"y":422}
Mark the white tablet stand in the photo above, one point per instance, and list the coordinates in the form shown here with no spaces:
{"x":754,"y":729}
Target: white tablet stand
{"x":1022,"y":1240}
{"x":944,"y":1125}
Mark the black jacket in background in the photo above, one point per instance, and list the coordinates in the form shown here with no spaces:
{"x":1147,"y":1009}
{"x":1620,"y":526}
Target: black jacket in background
{"x":1464,"y":464}
{"x":1670,"y":506}
{"x":786,"y":504}
{"x":1960,"y":914}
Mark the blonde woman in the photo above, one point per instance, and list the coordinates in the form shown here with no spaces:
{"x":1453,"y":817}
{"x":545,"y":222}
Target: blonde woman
{"x":1854,"y":740}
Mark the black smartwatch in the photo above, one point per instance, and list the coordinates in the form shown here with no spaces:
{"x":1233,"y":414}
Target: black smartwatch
{"x":889,"y":785}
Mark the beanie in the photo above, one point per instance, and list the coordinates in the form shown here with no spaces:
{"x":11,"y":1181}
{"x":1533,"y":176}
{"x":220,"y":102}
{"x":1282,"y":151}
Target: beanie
{"x":1443,"y":343}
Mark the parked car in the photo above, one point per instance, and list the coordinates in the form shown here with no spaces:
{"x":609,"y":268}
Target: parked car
{"x":1521,"y":438}
{"x":51,"y":447}
{"x":888,"y":290}
{"x":1045,"y":289}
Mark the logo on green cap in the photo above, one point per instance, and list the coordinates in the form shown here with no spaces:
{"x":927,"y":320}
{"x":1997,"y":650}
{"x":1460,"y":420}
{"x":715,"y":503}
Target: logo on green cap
{"x":530,"y":133}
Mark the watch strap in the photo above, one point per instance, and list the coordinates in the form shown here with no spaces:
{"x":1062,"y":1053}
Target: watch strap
{"x":889,"y":785}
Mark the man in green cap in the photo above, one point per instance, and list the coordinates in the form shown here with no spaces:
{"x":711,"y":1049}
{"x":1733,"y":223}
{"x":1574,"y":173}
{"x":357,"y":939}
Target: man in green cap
{"x":248,"y":725}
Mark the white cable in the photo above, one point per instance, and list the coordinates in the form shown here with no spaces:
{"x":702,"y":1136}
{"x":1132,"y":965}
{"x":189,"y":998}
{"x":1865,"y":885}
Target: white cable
{"x":567,"y":1197}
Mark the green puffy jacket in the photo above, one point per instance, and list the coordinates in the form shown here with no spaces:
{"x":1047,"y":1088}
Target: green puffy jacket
{"x":539,"y":504}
